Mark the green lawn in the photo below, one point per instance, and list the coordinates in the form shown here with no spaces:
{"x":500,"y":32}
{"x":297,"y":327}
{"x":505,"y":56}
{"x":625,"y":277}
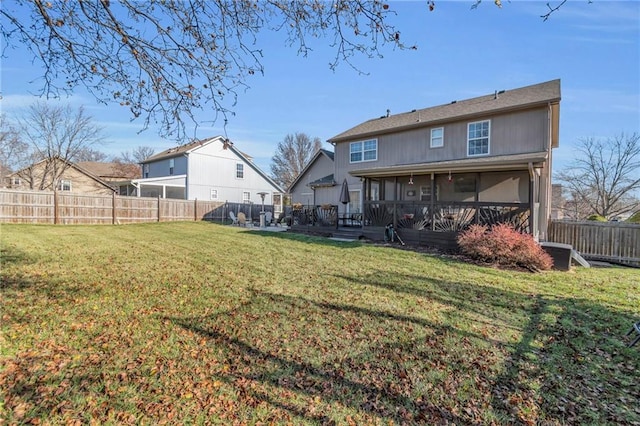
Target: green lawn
{"x":197,"y":323}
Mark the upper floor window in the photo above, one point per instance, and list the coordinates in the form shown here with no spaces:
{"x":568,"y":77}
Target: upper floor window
{"x":172,"y":163}
{"x":214,"y":194}
{"x":363,"y":151}
{"x":146,"y":170}
{"x":478,"y":138}
{"x":437,"y":137}
{"x":64,"y":185}
{"x":239,"y":170}
{"x":16,"y":181}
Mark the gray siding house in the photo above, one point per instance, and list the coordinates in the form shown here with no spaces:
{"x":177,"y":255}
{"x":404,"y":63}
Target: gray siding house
{"x":318,"y":173}
{"x":480,"y":160}
{"x":210,"y":169}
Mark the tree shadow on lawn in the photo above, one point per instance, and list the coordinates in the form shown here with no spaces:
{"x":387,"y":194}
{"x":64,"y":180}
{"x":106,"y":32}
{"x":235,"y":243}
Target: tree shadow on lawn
{"x":568,"y":362}
{"x":307,"y":365}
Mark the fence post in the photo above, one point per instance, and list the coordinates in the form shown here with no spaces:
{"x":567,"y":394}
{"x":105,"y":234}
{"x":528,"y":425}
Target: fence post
{"x":158,"y":208}
{"x":195,"y":210}
{"x":114,"y":216}
{"x":56,"y":218}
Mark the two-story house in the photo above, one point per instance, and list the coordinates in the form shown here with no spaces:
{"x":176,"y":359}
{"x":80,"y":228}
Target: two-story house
{"x":480,"y":160}
{"x":57,"y":174}
{"x":211,"y":169}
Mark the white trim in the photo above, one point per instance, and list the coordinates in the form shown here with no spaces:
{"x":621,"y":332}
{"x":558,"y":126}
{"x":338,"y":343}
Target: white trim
{"x":488,"y":137}
{"x":441,"y":137}
{"x":158,"y":179}
{"x":362,"y":151}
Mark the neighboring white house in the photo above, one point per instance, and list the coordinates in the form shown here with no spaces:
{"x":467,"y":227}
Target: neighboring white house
{"x":210,"y":169}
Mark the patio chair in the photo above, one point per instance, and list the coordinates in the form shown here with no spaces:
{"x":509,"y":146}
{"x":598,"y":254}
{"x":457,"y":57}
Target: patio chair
{"x":267,"y":218}
{"x":635,"y":327}
{"x":242,"y":219}
{"x":234,"y":219}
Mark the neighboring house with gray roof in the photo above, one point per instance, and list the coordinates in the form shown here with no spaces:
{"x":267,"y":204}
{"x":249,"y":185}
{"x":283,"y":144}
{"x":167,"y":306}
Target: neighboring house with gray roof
{"x":210,"y":169}
{"x":480,"y":160}
{"x":318,"y":173}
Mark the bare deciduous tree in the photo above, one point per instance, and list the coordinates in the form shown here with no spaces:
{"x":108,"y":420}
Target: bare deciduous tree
{"x":292,"y":155}
{"x":164,"y":60}
{"x":14,"y":153}
{"x":136,"y":155}
{"x":55,"y":133}
{"x":605,"y":176}
{"x":90,"y":154}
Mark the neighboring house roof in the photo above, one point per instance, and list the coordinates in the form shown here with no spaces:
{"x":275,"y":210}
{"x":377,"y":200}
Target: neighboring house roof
{"x":69,"y":165}
{"x":186,"y":149}
{"x":506,"y":100}
{"x":111,"y":171}
{"x":325,"y":181}
{"x":318,"y":154}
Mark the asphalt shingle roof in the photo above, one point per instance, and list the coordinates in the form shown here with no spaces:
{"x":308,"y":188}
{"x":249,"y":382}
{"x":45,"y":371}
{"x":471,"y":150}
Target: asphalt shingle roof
{"x":524,"y":97}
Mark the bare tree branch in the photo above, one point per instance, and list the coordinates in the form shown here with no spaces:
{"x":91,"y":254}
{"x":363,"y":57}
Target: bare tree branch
{"x":292,"y":156}
{"x":606,"y":175}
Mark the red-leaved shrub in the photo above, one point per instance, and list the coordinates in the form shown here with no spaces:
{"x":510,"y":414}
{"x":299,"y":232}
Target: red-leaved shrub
{"x":503,"y":245}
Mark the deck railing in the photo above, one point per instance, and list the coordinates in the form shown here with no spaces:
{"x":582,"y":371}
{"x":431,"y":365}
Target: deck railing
{"x":445,"y":216}
{"x":325,"y":215}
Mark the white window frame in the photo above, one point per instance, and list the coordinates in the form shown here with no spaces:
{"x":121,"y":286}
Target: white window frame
{"x":172,"y":164}
{"x":16,"y":181}
{"x":478,"y":138}
{"x":64,"y":183}
{"x":213,"y":195}
{"x":239,"y":171}
{"x":359,"y":148}
{"x":246,"y":197}
{"x":437,"y":141}
{"x":146,"y":170}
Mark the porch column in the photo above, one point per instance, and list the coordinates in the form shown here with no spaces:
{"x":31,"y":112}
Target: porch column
{"x":395,"y":202}
{"x":432,"y":203}
{"x":531,"y":198}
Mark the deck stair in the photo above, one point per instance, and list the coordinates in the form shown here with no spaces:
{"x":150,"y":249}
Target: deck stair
{"x":347,"y":234}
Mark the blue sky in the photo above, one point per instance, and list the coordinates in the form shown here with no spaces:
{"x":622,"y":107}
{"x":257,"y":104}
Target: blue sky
{"x":593,"y":48}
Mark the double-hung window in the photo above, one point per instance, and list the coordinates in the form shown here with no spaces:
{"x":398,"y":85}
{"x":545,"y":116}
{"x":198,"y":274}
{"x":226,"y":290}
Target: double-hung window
{"x":437,"y":137}
{"x":172,"y":163}
{"x":239,"y":171}
{"x":363,"y":151}
{"x":246,"y":197}
{"x":478,"y":138}
{"x":64,"y":185}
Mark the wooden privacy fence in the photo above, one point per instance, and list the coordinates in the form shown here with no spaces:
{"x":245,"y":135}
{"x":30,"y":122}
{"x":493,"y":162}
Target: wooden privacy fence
{"x":68,"y":208}
{"x":612,"y":241}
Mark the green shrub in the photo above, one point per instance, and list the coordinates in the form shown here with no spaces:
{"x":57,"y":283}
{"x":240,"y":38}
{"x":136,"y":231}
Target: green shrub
{"x":597,"y":218}
{"x":503,"y":245}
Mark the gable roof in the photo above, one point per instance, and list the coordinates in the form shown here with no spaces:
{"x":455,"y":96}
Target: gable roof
{"x":69,"y":165}
{"x":111,"y":171}
{"x":318,"y":154}
{"x":505,"y":100}
{"x":197,"y":144}
{"x":182,"y":149}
